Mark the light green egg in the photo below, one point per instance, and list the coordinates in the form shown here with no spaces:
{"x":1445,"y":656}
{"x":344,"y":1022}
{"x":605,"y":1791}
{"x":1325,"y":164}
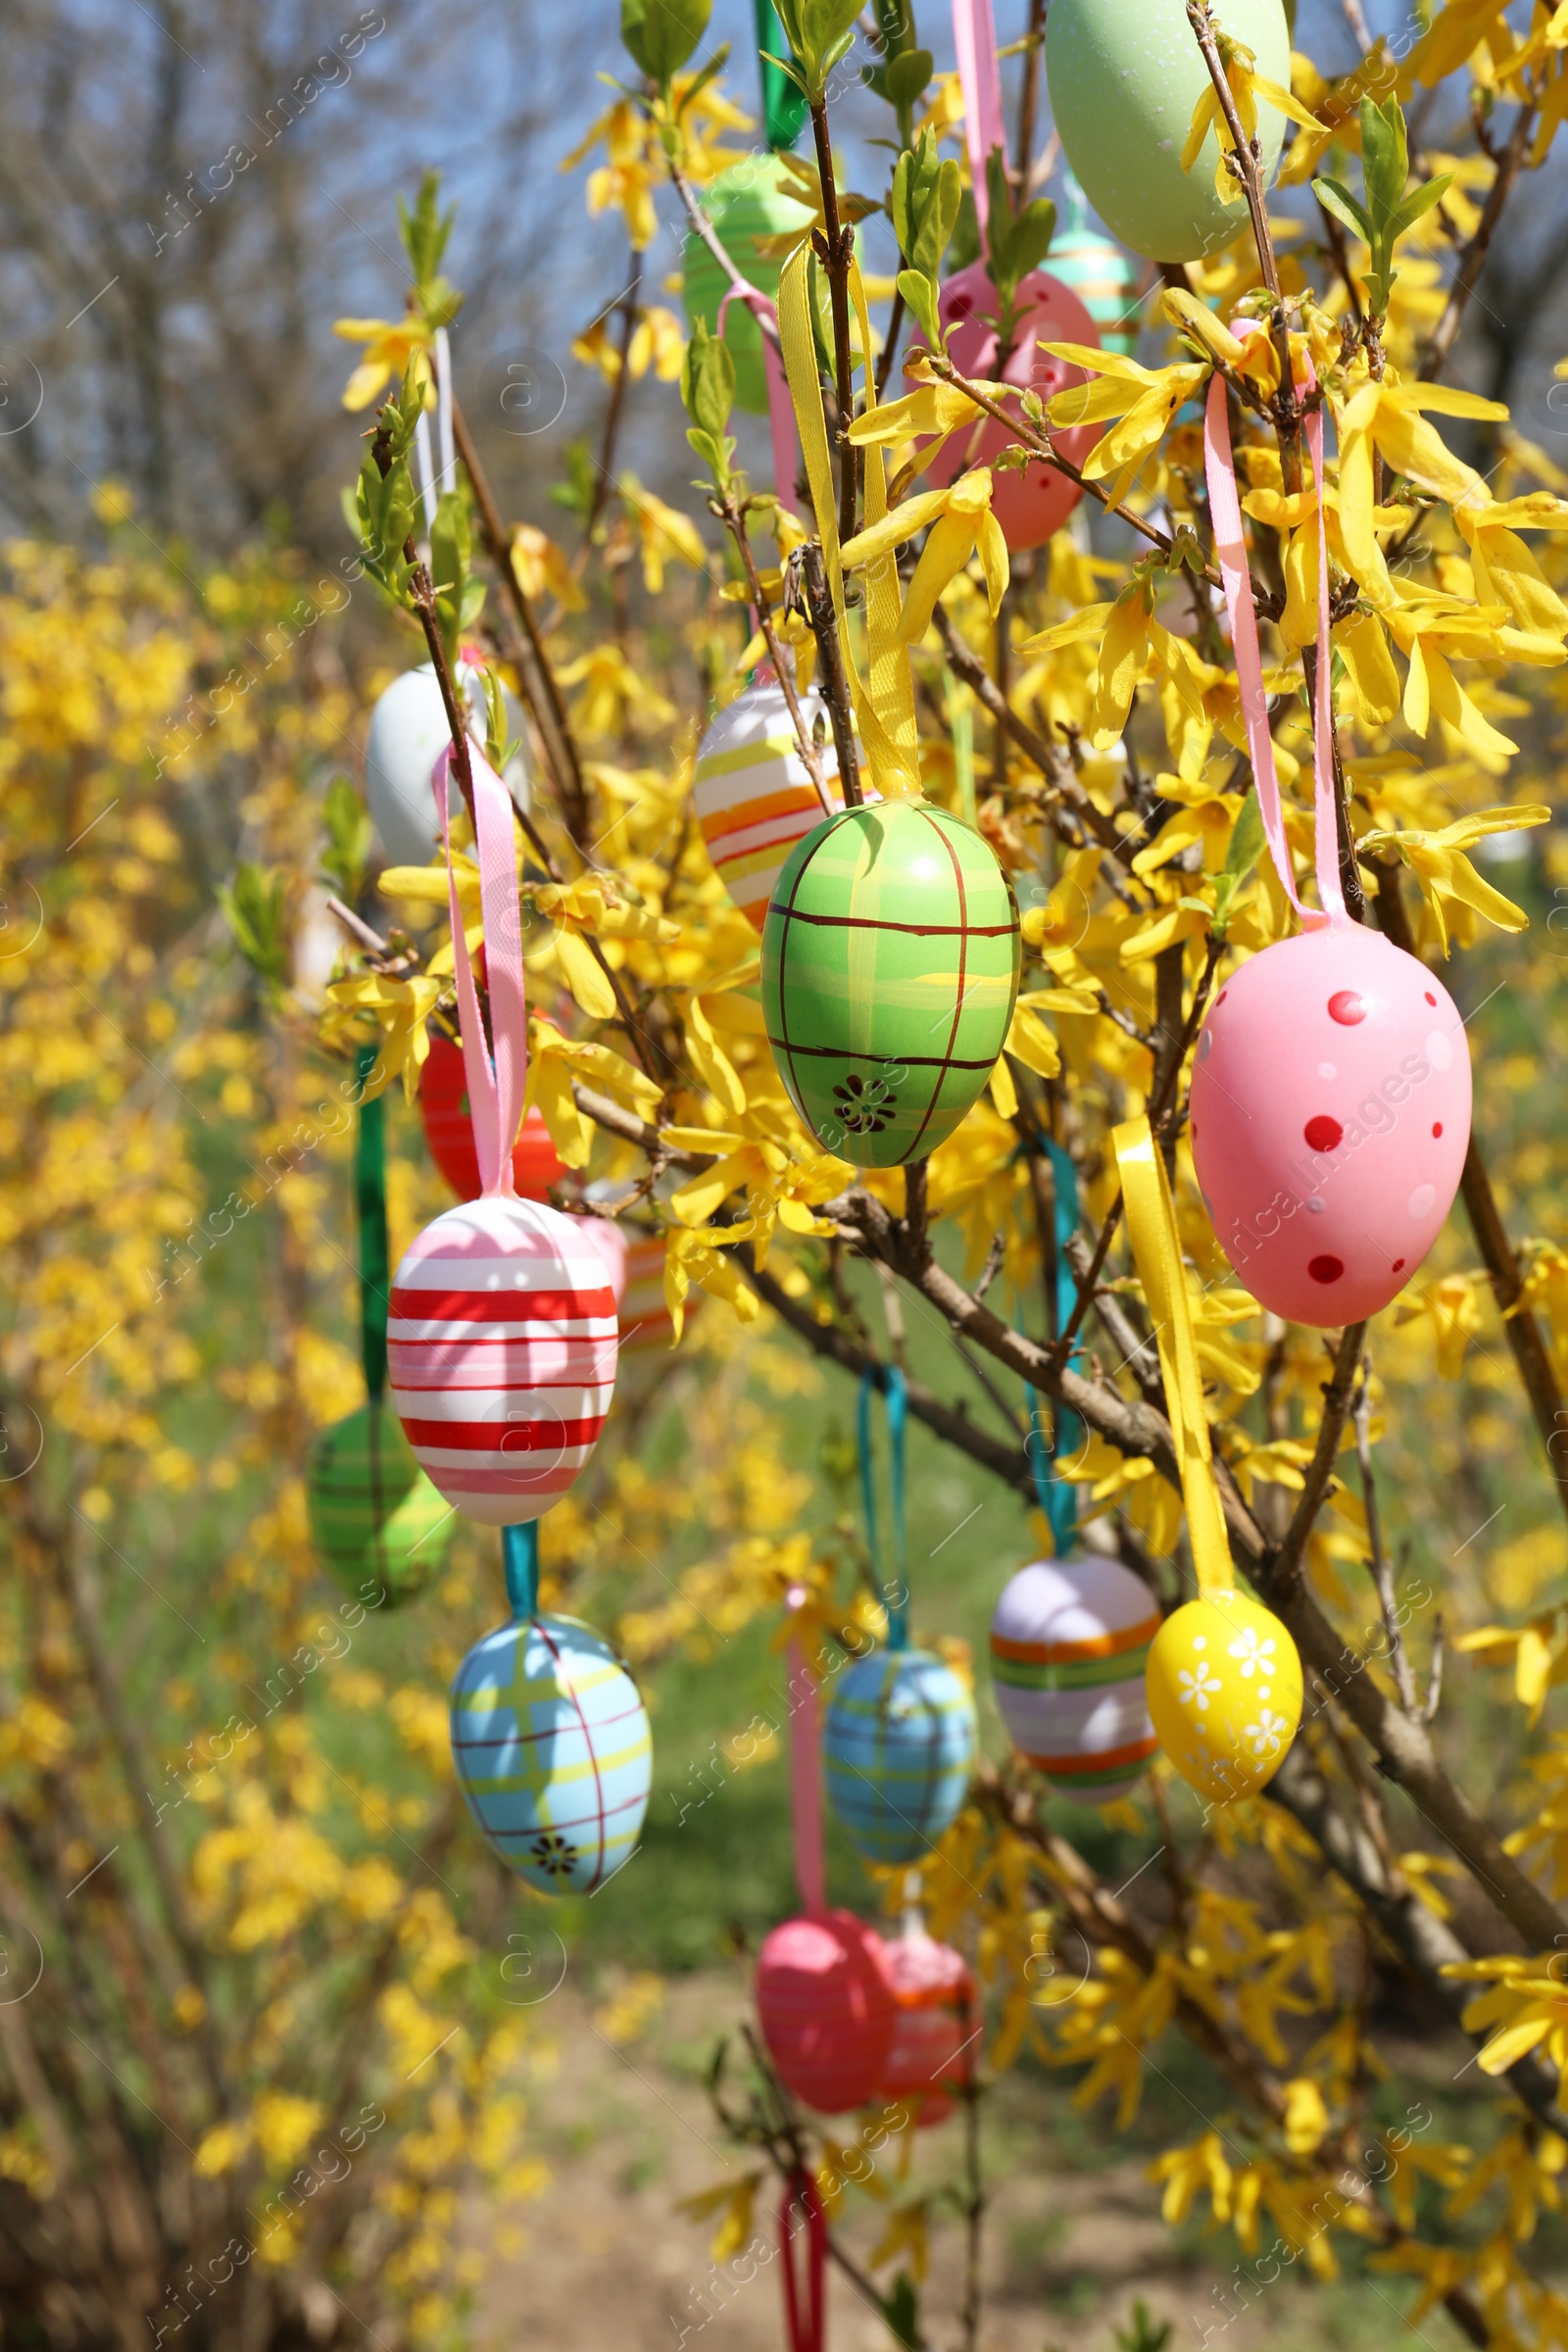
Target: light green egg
{"x":1124,"y":78}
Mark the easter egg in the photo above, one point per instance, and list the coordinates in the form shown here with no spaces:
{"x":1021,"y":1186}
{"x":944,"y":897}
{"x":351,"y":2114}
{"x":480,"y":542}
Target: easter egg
{"x":826,"y":2008}
{"x":375,"y":1519}
{"x":1225,"y":1694}
{"x":501,"y":1351}
{"x":1330,"y":1119}
{"x":1029,"y":505}
{"x":753,"y":199}
{"x":1069,"y":1641}
{"x":934,"y":2031}
{"x":1097,"y":271}
{"x":890,"y":969}
{"x":1124,"y":80}
{"x":899,"y":1744}
{"x":407,"y":731}
{"x":752,"y":792}
{"x":449,"y":1131}
{"x":553,"y":1752}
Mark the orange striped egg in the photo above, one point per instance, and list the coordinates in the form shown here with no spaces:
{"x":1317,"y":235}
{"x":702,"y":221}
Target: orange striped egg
{"x":1069,"y":1641}
{"x":752,"y":792}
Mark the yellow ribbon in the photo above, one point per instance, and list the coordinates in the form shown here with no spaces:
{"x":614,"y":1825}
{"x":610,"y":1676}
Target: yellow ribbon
{"x":884,"y":707}
{"x":1152,"y":1228}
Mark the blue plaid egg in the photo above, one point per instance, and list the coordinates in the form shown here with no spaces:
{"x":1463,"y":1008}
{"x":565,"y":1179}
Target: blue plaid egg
{"x":899,"y":1744}
{"x":553,"y":1750}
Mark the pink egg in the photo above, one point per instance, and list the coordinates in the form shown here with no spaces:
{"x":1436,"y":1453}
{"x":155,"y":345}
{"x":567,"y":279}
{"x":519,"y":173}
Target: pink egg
{"x":1028,"y":506}
{"x":935,"y":2032}
{"x":1330,"y":1118}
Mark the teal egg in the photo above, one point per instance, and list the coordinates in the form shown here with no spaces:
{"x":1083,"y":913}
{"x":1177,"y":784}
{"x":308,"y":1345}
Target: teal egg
{"x":890,"y":971}
{"x":1101,"y":275}
{"x":899,"y":1744}
{"x":552,"y":1747}
{"x":753,"y":199}
{"x":1124,"y":77}
{"x":374,"y":1517}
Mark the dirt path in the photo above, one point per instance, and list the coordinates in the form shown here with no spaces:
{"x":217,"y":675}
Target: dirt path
{"x":608,"y":2264}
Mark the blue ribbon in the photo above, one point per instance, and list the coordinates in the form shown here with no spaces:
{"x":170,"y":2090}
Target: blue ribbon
{"x":894,"y":1391}
{"x":519,"y":1552}
{"x":1056,"y":1494}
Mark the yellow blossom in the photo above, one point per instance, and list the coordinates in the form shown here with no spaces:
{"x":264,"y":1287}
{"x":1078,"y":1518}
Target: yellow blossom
{"x":961,"y":522}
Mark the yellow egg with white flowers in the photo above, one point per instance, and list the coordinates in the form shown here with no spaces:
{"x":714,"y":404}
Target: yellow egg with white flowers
{"x":1224,"y":1686}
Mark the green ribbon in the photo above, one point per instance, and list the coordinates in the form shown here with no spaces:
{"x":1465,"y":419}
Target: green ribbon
{"x":784,"y":107}
{"x":370,"y":1186}
{"x":894,"y":1391}
{"x":519,"y":1552}
{"x":1055,"y":1496}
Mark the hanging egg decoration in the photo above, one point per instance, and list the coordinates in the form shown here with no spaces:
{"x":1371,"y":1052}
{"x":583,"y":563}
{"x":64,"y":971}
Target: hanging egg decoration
{"x":826,"y":2008}
{"x":448,"y":1125}
{"x":1224,"y":1684}
{"x":1329,"y":1120}
{"x":1124,"y":81}
{"x":501,"y":1348}
{"x":899,"y":1744}
{"x":1031,"y":505}
{"x":1069,"y":1642}
{"x":1099,"y":271}
{"x":890,"y":971}
{"x":937,"y":2005}
{"x":375,"y":1520}
{"x":752,"y":792}
{"x":754,"y":199}
{"x":553,"y":1751}
{"x":408,"y":732}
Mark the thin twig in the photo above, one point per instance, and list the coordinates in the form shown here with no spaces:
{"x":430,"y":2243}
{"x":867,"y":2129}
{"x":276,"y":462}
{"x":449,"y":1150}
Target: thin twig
{"x":1381,"y":1573}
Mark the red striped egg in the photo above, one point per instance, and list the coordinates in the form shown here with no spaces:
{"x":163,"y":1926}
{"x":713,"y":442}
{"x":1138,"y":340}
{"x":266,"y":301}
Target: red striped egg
{"x":501,"y":1348}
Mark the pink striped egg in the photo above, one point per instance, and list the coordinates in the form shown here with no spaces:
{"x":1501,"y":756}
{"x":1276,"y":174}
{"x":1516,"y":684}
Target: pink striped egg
{"x":500,"y":1348}
{"x":752,"y":792}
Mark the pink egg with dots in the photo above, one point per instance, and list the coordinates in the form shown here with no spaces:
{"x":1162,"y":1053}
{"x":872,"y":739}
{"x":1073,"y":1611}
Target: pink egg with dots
{"x":1330,"y":1119}
{"x":1029,"y":505}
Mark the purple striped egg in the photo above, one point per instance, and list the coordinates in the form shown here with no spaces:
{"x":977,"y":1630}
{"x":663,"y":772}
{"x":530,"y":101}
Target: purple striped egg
{"x":501,"y":1350}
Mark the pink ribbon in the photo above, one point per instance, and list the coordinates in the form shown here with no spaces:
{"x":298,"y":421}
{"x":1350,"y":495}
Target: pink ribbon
{"x":780,"y":411}
{"x":974,"y":37}
{"x":1230,"y":545}
{"x":495,"y":1088}
{"x":805,"y":1776}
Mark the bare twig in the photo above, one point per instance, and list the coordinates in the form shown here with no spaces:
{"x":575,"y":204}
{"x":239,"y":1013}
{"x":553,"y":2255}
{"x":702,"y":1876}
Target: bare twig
{"x":1480,"y":245}
{"x":805,"y":589}
{"x":1381,"y":1572}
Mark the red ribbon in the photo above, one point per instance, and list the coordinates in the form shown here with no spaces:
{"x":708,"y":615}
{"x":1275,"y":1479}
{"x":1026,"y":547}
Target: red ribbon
{"x":495,"y":1085}
{"x":805,"y":2304}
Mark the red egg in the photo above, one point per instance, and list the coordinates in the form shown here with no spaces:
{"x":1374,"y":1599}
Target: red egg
{"x":826,"y":2008}
{"x":1329,"y":1120}
{"x":449,"y":1131}
{"x":1029,"y":505}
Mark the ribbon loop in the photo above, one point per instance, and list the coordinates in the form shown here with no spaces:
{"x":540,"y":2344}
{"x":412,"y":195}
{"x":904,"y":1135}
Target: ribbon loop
{"x":1157,"y":1252}
{"x":495,"y":1084}
{"x":1230,"y":545}
{"x":519,"y":1553}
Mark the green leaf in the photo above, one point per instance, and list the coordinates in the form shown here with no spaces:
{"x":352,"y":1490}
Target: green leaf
{"x":1246,"y":840}
{"x":662,"y":34}
{"x":255,"y":911}
{"x":1343,"y":205}
{"x":1385,"y":164}
{"x":450,"y":547}
{"x":348,"y":838}
{"x":901,"y":2312}
{"x":1420,"y":200}
{"x":920,"y":298}
{"x":822,"y":33}
{"x":904,"y":77}
{"x":424,"y":229}
{"x":708,"y":380}
{"x":1032,"y":233}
